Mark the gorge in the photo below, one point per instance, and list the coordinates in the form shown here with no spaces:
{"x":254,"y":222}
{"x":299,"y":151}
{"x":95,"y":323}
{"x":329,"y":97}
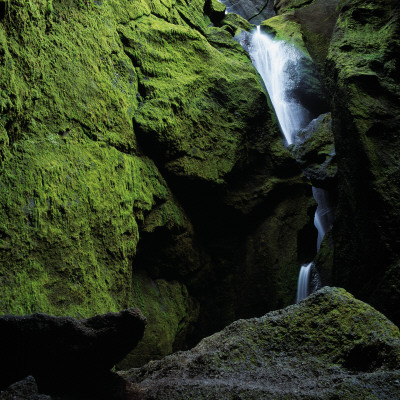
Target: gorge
{"x":143,"y":165}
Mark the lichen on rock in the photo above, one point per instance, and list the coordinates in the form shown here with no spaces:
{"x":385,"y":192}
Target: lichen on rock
{"x":329,"y":345}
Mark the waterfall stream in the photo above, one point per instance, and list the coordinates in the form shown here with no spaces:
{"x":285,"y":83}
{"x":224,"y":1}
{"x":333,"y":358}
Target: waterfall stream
{"x":275,"y":61}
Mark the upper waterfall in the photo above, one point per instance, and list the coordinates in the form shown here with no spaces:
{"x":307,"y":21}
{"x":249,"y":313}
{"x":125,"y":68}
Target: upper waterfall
{"x":274,"y":60}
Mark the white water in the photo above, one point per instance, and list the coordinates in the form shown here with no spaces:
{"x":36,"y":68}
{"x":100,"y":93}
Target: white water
{"x":323,"y":219}
{"x":303,"y":284}
{"x":273,"y":60}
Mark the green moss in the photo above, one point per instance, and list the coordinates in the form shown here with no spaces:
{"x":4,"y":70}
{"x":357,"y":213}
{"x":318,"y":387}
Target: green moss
{"x":187,"y":91}
{"x":76,"y":207}
{"x":285,"y":28}
{"x":73,"y":190}
{"x":169,"y":311}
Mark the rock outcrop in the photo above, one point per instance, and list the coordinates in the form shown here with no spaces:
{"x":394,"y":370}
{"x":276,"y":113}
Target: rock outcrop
{"x":362,"y":71}
{"x":62,"y":352}
{"x":26,"y":389}
{"x":254,"y":11}
{"x":314,"y":150}
{"x":328,"y":346}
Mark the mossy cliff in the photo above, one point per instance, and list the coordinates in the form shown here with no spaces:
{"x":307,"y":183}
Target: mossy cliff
{"x":138,"y":166}
{"x":362,"y":70}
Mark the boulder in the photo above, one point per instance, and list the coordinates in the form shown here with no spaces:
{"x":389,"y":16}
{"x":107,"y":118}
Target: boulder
{"x":314,"y":150}
{"x":63,"y":351}
{"x":26,"y":389}
{"x":330,"y":345}
{"x":255,"y":11}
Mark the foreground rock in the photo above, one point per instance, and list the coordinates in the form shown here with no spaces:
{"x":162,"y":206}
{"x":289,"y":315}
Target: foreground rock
{"x":60,"y":351}
{"x":328,"y":346}
{"x":23,"y":390}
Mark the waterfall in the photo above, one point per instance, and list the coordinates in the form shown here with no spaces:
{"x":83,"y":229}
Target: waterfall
{"x":303,"y":284}
{"x":323,"y":219}
{"x":274,"y":61}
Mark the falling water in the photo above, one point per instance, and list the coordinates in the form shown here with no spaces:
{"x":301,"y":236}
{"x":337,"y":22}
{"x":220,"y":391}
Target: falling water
{"x":323,"y":219}
{"x":274,"y":60}
{"x":303,"y":284}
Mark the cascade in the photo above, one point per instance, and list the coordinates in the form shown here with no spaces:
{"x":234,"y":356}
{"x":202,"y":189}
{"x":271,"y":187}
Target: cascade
{"x":303,"y":284}
{"x":275,"y":61}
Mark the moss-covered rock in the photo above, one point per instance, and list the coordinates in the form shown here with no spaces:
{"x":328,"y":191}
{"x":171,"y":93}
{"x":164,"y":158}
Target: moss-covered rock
{"x":314,"y":150}
{"x":102,"y":103}
{"x":169,"y":311}
{"x":328,"y":346}
{"x":364,"y":83}
{"x":76,"y":192}
{"x":317,"y":19}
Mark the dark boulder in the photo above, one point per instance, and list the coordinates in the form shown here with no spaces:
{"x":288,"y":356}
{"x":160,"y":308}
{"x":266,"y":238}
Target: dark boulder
{"x":329,"y":346}
{"x":25,"y":389}
{"x":254,"y":11}
{"x":314,"y":150}
{"x":62,"y":350}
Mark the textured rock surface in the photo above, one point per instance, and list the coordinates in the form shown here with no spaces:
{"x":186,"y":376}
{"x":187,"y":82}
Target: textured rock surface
{"x":327,"y":346}
{"x":25,"y":389}
{"x":314,"y":150}
{"x":317,"y":19}
{"x":63,"y":351}
{"x":136,"y":145}
{"x":363,"y":64}
{"x":255,"y":11}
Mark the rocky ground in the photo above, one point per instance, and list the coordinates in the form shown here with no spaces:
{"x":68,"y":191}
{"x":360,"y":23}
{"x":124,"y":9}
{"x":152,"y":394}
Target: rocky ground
{"x":329,"y":346}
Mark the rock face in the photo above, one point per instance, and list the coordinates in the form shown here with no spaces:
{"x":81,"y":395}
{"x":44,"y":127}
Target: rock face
{"x":362,"y":69}
{"x":140,"y":163}
{"x":255,"y":11}
{"x":63,"y":351}
{"x":327,"y":346}
{"x":23,"y":390}
{"x":314,"y":150}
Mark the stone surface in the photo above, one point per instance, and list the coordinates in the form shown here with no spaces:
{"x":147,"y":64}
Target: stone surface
{"x":362,"y":70}
{"x":64,"y":352}
{"x":330,"y":345}
{"x":317,"y":19}
{"x":25,"y":389}
{"x":314,"y":150}
{"x":255,"y":11}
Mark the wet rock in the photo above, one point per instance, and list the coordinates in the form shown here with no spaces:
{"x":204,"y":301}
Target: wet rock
{"x":254,"y":11}
{"x":314,"y":150}
{"x":317,"y":19}
{"x":304,"y":85}
{"x":25,"y":389}
{"x":61,"y":351}
{"x":330,"y":345}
